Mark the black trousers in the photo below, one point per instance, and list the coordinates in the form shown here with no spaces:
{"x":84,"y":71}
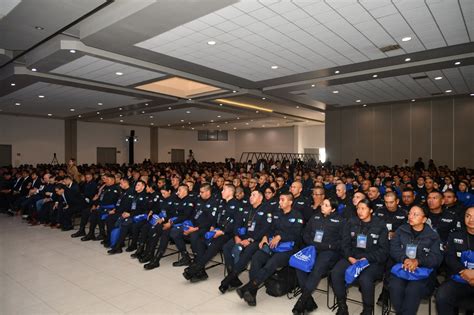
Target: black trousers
{"x":65,"y":216}
{"x":205,"y":250}
{"x":110,"y":223}
{"x":125,"y":229}
{"x":85,"y":214}
{"x":44,"y":213}
{"x":94,"y":219}
{"x":449,"y":295}
{"x":264,"y":265}
{"x":136,"y":228}
{"x":180,"y":239}
{"x":366,"y":280}
{"x":325,"y":261}
{"x":245,"y":256}
{"x":406,"y":295}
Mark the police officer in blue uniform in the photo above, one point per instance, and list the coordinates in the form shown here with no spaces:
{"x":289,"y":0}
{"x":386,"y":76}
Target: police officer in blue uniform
{"x":202,"y":219}
{"x":207,"y":246}
{"x":287,"y":225}
{"x":324,"y":231}
{"x":128,"y":216}
{"x":441,"y":221}
{"x":300,"y":202}
{"x":460,"y":284}
{"x":415,"y":245}
{"x":106,"y":200}
{"x":364,"y":237}
{"x":251,"y":224}
{"x":270,"y":200}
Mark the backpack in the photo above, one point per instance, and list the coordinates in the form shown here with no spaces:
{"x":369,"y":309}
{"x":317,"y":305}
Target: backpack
{"x":281,"y":282}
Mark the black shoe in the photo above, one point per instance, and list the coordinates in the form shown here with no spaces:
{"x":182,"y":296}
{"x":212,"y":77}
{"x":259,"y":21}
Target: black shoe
{"x":106,"y":244}
{"x":65,"y":229}
{"x":139,"y":252}
{"x":190,"y":271}
{"x":146,"y":258}
{"x":342,"y":307}
{"x":88,"y":237}
{"x":114,"y":251}
{"x":311,"y":305}
{"x":299,"y":307}
{"x":201,"y":275}
{"x":100,"y":238}
{"x":131,"y":248}
{"x":78,"y":234}
{"x":184,"y":261}
{"x":250,"y":298}
{"x":383,"y":298}
{"x":10,"y":212}
{"x":241,"y":291}
{"x":155,"y":263}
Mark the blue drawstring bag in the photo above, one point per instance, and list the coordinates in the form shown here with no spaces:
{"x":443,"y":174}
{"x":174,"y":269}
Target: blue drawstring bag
{"x":283,"y":247}
{"x":420,"y":273}
{"x":154,"y":219}
{"x":162,"y":214}
{"x":104,"y":216}
{"x":104,"y":210}
{"x":241,"y":231}
{"x":353,"y":271}
{"x":210,"y":234}
{"x":185,"y":225}
{"x":114,"y":236}
{"x":304,"y":259}
{"x":173,"y":219}
{"x":236,"y":250}
{"x":467,"y":259}
{"x":139,"y":218}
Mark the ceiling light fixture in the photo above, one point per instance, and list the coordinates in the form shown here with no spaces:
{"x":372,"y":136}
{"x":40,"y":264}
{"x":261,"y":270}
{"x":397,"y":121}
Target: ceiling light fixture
{"x":218,"y":116}
{"x":12,"y":84}
{"x":313,"y":85}
{"x":413,"y":100}
{"x":448,"y":91}
{"x":407,"y":59}
{"x":119,"y":73}
{"x":72,"y":109}
{"x":238,"y":118}
{"x":152,"y":124}
{"x":121,"y":120}
{"x":274,"y":67}
{"x":146,"y":104}
{"x":264,"y":98}
{"x":457,"y":63}
{"x":120,"y":115}
{"x":234,"y":91}
{"x":247,"y":124}
{"x":375,"y":75}
{"x":169,"y":125}
{"x":17,"y":104}
{"x":211,"y":42}
{"x":41,"y":96}
{"x":100,"y":104}
{"x":143,"y":112}
{"x":337,"y":72}
{"x":406,"y":39}
{"x":357,"y":101}
{"x":335,"y":92}
{"x":50,"y":115}
{"x":120,"y":108}
{"x":297,"y":107}
{"x":72,"y":51}
{"x":188,"y":112}
{"x":235,"y":128}
{"x":169,"y":107}
{"x":98,"y":113}
{"x":438,"y":78}
{"x":182,"y":120}
{"x":365,"y":105}
{"x":244,"y":105}
{"x":101,"y":118}
{"x":33,"y":69}
{"x":80,"y":116}
{"x":212,"y":120}
{"x":39,"y":28}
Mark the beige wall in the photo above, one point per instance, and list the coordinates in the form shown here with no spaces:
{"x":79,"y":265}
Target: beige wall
{"x":441,"y":129}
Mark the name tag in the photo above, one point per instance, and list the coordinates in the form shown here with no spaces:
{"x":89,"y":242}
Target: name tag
{"x":410,"y":251}
{"x":134,"y":205}
{"x":361,"y":241}
{"x":318,"y":236}
{"x":389,"y":226}
{"x":252,"y":226}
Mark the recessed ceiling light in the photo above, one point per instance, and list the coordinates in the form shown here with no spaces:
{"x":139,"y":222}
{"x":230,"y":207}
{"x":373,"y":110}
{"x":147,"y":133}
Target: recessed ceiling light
{"x":337,"y":72}
{"x":335,"y":92}
{"x":72,"y":51}
{"x":121,"y":120}
{"x":119,"y":73}
{"x":365,"y":105}
{"x":297,"y":107}
{"x":39,"y":28}
{"x":247,"y":124}
{"x":17,"y":104}
{"x":189,"y":123}
{"x":218,"y":126}
{"x":218,"y":116}
{"x":72,"y":109}
{"x":357,"y":101}
{"x":457,"y":63}
{"x":100,"y":104}
{"x":375,"y":75}
{"x":188,"y":112}
{"x":79,"y":116}
{"x":438,"y":78}
{"x":169,"y":107}
{"x":190,"y":99}
{"x":226,"y":122}
{"x":101,"y":118}
{"x":256,"y":111}
{"x":251,"y":120}
{"x":98,"y":113}
{"x":33,"y":69}
{"x":235,"y":128}
{"x":151,"y":116}
{"x":212,"y":120}
{"x":169,"y":125}
{"x":472,"y":94}
{"x":263,"y":126}
{"x":238,"y":118}
{"x":407,"y":59}
{"x":448,"y":91}
{"x":274,"y":67}
{"x":12,"y":84}
{"x":182,"y":126}
{"x":41,"y":96}
{"x":182,"y":120}
{"x":413,"y":100}
{"x":192,"y":128}
{"x":120,"y":108}
{"x":220,"y":104}
{"x":264,"y":98}
{"x":143,"y":112}
{"x":284,"y":117}
{"x":211,"y":42}
{"x":152,"y":124}
{"x":313,"y":85}
{"x":146,"y":104}
{"x":234,"y":91}
{"x":406,"y":39}
{"x":50,"y":115}
{"x":120,"y":115}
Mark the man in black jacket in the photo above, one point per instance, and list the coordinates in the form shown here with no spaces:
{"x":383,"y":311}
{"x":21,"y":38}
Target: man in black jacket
{"x":68,"y":202}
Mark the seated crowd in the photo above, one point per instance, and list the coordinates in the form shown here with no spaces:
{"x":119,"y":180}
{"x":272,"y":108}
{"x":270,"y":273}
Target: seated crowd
{"x":409,"y":227}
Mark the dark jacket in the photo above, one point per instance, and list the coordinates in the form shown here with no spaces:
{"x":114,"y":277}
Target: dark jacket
{"x":332,"y":226}
{"x":458,"y":241}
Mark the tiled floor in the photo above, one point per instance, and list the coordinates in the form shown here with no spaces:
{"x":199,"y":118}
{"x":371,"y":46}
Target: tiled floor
{"x":45,"y":271}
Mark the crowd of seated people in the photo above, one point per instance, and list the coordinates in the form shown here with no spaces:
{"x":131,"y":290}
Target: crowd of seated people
{"x":409,"y":227}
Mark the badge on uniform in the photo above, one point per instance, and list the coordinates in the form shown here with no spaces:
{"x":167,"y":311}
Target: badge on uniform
{"x":134,"y":205}
{"x":389,"y":226}
{"x":361,"y":241}
{"x":252,"y":226}
{"x":410,"y":251}
{"x":318,"y":236}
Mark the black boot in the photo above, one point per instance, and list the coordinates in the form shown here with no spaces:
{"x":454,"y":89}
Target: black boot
{"x":342,"y":307}
{"x":115,"y":250}
{"x":367,"y":309}
{"x":139,"y":252}
{"x":225,"y":284}
{"x":155,"y":262}
{"x":383,"y":298}
{"x":101,"y":237}
{"x":131,"y":248}
{"x":200,"y":275}
{"x":146,"y":257}
{"x":299,"y":307}
{"x":311,"y":304}
{"x":79,"y":233}
{"x":88,"y":237}
{"x":184,"y":261}
{"x":241,"y":291}
{"x":190,"y":271}
{"x":250,"y":295}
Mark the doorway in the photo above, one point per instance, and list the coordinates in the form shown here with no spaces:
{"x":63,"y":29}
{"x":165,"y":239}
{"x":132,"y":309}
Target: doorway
{"x":5,"y":155}
{"x":177,"y":155}
{"x":106,"y":155}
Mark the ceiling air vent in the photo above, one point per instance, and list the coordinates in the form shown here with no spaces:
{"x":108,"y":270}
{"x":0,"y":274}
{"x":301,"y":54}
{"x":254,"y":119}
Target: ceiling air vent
{"x":421,"y":77}
{"x":436,"y":94}
{"x":389,"y":48}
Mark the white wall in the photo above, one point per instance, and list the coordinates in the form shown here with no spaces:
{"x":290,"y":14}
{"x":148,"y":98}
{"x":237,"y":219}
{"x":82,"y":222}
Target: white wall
{"x":93,"y":135}
{"x":209,"y":151}
{"x":35,"y":139}
{"x":264,"y":140}
{"x":310,"y":137}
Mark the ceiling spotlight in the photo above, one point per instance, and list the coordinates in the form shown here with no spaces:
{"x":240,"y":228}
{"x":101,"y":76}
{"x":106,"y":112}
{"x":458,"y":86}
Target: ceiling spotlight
{"x":226,"y":122}
{"x":182,"y":120}
{"x":41,"y":96}
{"x":100,"y":104}
{"x":192,"y":128}
{"x":375,"y":75}
{"x":335,"y":92}
{"x":337,"y":72}
{"x":238,"y":118}
{"x":121,"y":120}
{"x":263,"y":126}
{"x":152,"y":124}
{"x":12,"y":84}
{"x":220,"y":104}
{"x":407,"y":59}
{"x":235,"y":128}
{"x":188,"y":112}
{"x":284,"y":117}
{"x":234,"y":91}
{"x":211,"y":42}
{"x":17,"y":104}
{"x":33,"y":69}
{"x":357,"y":101}
{"x":218,"y":116}
{"x":313,"y":85}
{"x":146,"y":104}
{"x":101,"y":118}
{"x":120,"y":108}
{"x":72,"y":51}
{"x":218,"y":126}
{"x":39,"y":28}
{"x":256,"y":111}
{"x":448,"y":91}
{"x":169,"y":107}
{"x":406,"y":39}
{"x":438,"y":78}
{"x":72,"y":109}
{"x":247,"y":124}
{"x":457,"y":63}
{"x":79,"y":116}
{"x":120,"y":115}
{"x":365,"y":105}
{"x":413,"y":100}
{"x":50,"y":115}
{"x":297,"y":107}
{"x":190,"y":99}
{"x":151,"y":116}
{"x":169,"y":125}
{"x":212,"y":120}
{"x":264,"y":98}
{"x":119,"y":73}
{"x":189,"y":123}
{"x":98,"y":113}
{"x":274,"y":67}
{"x":143,"y":112}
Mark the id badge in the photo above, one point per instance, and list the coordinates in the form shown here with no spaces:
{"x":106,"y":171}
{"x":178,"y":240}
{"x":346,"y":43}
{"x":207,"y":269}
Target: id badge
{"x":134,"y":205}
{"x":389,"y":226}
{"x":361,"y":241}
{"x":101,"y":197}
{"x":252,"y":226}
{"x":318,"y":236}
{"x":410,"y":251}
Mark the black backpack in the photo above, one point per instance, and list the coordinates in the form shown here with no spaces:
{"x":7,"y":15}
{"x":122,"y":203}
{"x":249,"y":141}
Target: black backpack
{"x":281,"y":282}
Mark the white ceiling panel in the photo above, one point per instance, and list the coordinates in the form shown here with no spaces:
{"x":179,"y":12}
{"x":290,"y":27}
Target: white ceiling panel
{"x":96,"y":69}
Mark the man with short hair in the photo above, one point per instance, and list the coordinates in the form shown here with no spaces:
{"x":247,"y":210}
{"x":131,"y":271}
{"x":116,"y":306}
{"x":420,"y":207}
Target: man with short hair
{"x":408,"y":199}
{"x":443,"y":222}
{"x":374,"y":197}
{"x":300,"y":203}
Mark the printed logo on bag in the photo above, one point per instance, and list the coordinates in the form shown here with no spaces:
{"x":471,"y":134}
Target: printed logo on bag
{"x":300,"y":256}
